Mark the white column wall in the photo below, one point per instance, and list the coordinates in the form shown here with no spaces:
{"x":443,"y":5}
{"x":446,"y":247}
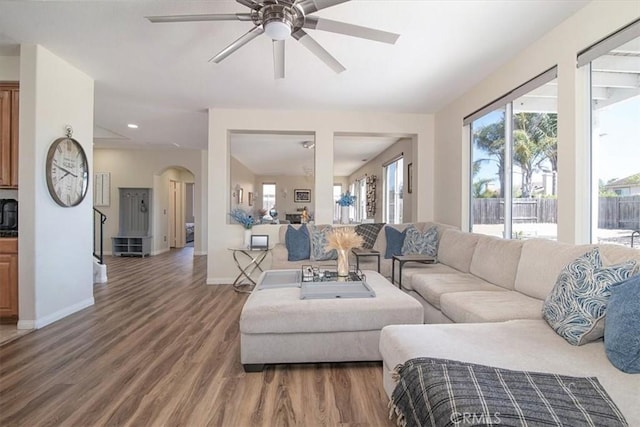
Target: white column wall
{"x":558,"y":47}
{"x":324,"y":125}
{"x":55,"y":246}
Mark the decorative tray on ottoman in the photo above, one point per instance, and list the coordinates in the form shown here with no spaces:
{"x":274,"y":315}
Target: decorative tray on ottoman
{"x":327,"y":285}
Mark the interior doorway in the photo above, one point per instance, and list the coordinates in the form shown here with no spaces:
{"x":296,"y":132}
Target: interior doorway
{"x":176,"y":221}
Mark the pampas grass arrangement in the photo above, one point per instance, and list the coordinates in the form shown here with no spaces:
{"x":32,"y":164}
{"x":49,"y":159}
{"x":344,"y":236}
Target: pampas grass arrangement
{"x":342,"y":240}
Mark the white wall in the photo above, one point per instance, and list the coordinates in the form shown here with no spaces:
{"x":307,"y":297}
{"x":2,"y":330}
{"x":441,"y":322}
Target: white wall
{"x":55,"y":261}
{"x":10,"y":68}
{"x":403,"y":147}
{"x":220,"y":267}
{"x":144,"y":169}
{"x":245,"y":179}
{"x":558,"y":47}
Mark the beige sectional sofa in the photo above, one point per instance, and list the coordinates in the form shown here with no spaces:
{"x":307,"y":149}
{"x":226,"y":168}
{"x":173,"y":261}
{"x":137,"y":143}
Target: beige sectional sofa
{"x":493,"y":290}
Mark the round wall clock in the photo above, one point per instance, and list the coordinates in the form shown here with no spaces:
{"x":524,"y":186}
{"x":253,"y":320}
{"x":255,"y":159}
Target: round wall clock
{"x":67,"y":172}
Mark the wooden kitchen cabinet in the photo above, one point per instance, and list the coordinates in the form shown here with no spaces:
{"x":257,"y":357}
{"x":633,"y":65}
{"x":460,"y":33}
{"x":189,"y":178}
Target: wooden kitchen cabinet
{"x":9,"y":279}
{"x":9,"y":107}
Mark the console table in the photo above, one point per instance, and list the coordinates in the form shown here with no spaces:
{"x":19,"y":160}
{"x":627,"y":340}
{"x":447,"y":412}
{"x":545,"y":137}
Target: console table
{"x":403,"y":259}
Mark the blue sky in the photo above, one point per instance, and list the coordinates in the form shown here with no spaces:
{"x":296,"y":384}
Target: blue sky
{"x":619,"y":152}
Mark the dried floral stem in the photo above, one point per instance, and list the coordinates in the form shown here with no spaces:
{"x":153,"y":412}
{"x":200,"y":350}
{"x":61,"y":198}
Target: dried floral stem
{"x":343,"y":238}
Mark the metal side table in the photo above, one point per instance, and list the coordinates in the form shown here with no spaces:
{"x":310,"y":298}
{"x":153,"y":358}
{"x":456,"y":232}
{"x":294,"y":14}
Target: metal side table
{"x":248,"y":261}
{"x":359,"y":252}
{"x":403,"y":259}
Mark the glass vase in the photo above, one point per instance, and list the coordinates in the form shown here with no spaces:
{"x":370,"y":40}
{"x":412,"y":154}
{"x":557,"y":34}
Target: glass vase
{"x":343,"y":262}
{"x":344,"y":214}
{"x":247,"y":238}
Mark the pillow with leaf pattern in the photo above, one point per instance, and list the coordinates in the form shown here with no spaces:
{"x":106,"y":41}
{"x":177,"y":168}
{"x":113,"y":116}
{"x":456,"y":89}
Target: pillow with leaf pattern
{"x":576,"y":306}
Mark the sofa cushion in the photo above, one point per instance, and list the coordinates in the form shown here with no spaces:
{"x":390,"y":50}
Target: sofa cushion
{"x":412,"y":269}
{"x":540,"y":263}
{"x":369,"y":233}
{"x":576,"y":306}
{"x":298,"y":243}
{"x":456,"y":248}
{"x":432,"y":286}
{"x":489,"y":306}
{"x":395,"y":241}
{"x":418,"y":243}
{"x":496,"y":260}
{"x":621,"y":331}
{"x":319,"y":243}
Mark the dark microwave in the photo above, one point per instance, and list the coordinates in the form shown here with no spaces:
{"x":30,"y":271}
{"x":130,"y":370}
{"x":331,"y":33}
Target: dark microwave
{"x":8,"y":214}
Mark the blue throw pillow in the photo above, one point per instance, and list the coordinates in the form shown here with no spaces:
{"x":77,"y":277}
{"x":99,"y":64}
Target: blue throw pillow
{"x":297,"y":242}
{"x":576,"y":306}
{"x":621,"y":330}
{"x":417,"y":243}
{"x":395,"y":240}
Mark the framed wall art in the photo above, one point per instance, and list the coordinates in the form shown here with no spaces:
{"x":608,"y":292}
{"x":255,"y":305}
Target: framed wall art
{"x":301,"y":195}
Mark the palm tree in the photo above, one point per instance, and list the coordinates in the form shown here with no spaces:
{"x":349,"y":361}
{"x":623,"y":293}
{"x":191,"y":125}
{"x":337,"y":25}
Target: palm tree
{"x":534,"y":141}
{"x":490,"y":139}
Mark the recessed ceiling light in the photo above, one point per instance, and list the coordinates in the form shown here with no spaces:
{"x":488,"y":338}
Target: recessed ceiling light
{"x":132,"y":126}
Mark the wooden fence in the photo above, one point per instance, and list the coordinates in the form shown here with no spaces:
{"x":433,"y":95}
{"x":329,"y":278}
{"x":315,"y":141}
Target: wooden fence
{"x":619,"y":212}
{"x":614,"y":212}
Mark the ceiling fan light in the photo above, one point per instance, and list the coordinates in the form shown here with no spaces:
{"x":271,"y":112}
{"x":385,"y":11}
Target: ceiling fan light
{"x":277,"y":30}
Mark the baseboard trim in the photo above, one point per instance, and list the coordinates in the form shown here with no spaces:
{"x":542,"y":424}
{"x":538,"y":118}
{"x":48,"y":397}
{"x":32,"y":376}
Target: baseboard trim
{"x":220,"y":280}
{"x":159,"y":251}
{"x":53,"y":317}
{"x":26,"y":324}
{"x":199,"y":253}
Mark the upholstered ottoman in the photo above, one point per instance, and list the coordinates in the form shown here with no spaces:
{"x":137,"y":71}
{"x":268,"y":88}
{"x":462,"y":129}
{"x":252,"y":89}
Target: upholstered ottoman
{"x":276,"y":326}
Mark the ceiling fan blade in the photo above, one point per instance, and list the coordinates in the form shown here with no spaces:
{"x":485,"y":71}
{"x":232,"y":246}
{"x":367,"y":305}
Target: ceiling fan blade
{"x":246,"y":38}
{"x":250,"y":4}
{"x":278,"y":59}
{"x":315,"y":48}
{"x":316,"y":23}
{"x":310,"y":6}
{"x":200,"y":18}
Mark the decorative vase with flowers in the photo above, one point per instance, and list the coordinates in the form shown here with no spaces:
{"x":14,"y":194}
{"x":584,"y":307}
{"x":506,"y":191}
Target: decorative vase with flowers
{"x":343,"y":239}
{"x":345,"y":201}
{"x":243,"y":218}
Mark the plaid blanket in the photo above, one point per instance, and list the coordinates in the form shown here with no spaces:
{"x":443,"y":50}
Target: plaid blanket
{"x":437,"y":392}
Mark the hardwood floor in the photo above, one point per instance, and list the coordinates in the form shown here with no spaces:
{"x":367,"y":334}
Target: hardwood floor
{"x":161,"y":348}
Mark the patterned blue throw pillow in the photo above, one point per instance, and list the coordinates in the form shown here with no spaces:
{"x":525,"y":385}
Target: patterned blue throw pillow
{"x":319,"y":243}
{"x":576,"y":306}
{"x":621,"y":331}
{"x":297,"y":243}
{"x":417,"y":243}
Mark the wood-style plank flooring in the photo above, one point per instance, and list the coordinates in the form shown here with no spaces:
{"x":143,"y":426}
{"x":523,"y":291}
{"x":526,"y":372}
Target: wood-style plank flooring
{"x":161,"y":348}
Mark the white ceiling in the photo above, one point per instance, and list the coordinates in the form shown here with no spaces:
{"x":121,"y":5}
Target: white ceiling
{"x":158,"y":75}
{"x":284,"y":154}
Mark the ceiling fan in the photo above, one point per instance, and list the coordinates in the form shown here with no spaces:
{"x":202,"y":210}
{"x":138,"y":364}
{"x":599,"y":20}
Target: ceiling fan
{"x":281,"y":19}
